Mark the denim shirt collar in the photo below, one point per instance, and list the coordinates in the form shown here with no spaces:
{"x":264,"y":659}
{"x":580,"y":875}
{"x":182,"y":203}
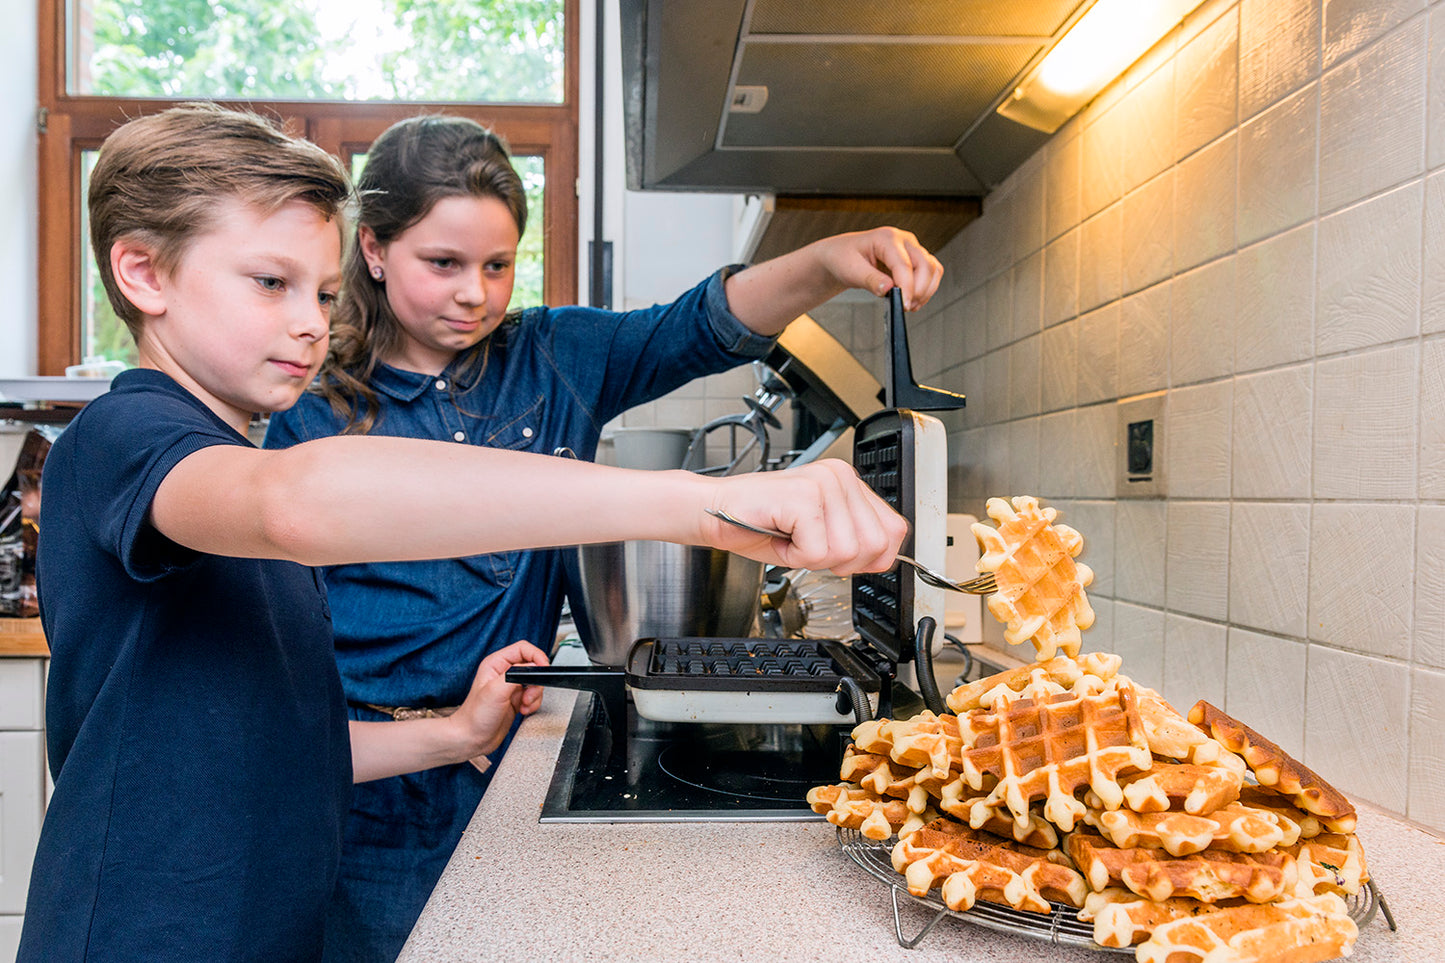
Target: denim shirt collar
{"x":400,"y":384}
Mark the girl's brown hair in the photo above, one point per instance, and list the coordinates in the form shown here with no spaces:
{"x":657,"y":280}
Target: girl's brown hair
{"x":158,"y":179}
{"x":410,"y":167}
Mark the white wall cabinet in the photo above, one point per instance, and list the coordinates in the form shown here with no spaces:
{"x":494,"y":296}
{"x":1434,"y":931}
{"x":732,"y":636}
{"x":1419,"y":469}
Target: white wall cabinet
{"x":22,"y":787}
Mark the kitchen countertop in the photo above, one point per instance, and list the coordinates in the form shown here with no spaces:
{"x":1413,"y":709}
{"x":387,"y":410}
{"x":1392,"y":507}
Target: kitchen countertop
{"x":22,"y":637}
{"x":517,"y":889}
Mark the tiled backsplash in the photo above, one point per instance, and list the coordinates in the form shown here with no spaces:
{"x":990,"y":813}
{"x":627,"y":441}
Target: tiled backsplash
{"x":1252,"y":222}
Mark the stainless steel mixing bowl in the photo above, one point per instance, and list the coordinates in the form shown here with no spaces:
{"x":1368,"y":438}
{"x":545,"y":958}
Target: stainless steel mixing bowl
{"x":634,"y":590}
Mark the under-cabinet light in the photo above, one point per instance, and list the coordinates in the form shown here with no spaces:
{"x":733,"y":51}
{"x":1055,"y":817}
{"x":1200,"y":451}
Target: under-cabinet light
{"x":1109,"y":37}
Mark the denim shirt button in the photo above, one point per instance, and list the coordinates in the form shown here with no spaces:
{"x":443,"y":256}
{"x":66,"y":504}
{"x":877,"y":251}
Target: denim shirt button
{"x":526,"y":433}
{"x":459,"y":435}
{"x":441,"y":384}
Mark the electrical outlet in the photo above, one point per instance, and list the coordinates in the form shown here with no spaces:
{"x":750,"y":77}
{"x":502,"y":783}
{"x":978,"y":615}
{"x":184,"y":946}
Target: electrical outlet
{"x":1140,"y":444}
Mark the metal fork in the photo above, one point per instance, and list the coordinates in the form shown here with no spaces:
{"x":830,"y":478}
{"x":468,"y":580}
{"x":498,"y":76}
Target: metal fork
{"x":983,"y":585}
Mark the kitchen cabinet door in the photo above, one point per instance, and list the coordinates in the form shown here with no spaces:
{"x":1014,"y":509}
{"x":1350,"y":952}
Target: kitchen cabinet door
{"x":22,"y":782}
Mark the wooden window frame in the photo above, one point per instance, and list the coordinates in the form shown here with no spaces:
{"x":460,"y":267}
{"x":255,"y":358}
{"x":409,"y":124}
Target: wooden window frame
{"x":70,"y":125}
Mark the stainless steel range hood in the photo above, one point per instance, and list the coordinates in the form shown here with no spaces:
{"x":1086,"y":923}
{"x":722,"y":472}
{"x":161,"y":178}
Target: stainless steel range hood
{"x":835,"y":97}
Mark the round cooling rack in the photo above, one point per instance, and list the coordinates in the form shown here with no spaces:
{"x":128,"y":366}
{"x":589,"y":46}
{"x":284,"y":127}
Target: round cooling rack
{"x":1062,"y":926}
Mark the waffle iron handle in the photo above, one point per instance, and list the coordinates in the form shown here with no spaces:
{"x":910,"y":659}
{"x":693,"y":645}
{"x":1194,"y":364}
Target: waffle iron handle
{"x":923,"y":658}
{"x":609,"y":684}
{"x":902,"y":391}
{"x":851,"y":696}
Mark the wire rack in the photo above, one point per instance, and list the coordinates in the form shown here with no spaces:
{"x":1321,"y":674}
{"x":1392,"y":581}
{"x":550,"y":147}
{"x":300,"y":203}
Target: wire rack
{"x":1062,"y":926}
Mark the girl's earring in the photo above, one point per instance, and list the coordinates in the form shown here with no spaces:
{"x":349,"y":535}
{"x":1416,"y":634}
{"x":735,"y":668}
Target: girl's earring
{"x":377,"y":273}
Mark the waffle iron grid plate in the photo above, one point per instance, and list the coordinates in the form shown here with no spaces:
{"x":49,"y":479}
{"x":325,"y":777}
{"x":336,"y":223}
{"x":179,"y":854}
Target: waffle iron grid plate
{"x":1061,"y":926}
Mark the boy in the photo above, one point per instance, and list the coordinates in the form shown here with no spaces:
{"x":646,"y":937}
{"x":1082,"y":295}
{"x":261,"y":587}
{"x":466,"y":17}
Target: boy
{"x":196,"y":727}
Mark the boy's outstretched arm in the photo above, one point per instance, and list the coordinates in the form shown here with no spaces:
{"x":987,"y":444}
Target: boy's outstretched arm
{"x":382,"y":749}
{"x":767,"y":296}
{"x":359,"y":498}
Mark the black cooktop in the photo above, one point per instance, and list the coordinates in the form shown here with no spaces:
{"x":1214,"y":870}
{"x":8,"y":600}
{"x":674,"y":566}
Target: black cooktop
{"x":688,"y":771}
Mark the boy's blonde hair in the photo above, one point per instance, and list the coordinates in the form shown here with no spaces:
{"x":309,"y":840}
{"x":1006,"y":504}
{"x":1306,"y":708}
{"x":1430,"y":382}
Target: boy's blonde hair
{"x":159,"y":180}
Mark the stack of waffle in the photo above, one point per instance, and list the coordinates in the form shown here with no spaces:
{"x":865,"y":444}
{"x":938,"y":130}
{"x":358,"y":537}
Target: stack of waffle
{"x":1065,"y":783}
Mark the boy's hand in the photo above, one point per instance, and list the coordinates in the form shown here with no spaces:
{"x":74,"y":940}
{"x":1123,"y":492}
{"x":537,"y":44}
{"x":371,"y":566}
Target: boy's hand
{"x":486,"y":715}
{"x":834,"y":520}
{"x":877,"y":260}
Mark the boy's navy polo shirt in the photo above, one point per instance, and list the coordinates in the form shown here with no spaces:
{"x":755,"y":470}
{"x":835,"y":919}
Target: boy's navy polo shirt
{"x":195,"y":723}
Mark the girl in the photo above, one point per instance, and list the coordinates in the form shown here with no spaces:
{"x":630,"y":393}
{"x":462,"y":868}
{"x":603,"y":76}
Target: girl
{"x":423,"y":346}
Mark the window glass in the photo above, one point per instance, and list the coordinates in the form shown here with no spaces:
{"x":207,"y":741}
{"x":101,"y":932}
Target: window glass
{"x":502,"y":51}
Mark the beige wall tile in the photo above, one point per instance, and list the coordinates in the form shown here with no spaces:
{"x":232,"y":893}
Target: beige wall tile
{"x":1432,"y":316}
{"x":1099,"y":637}
{"x":1094,"y":520}
{"x":1023,"y":360}
{"x":1148,"y":233}
{"x":1265,"y":687}
{"x":1271,"y":438}
{"x":1023,"y":456}
{"x":1203,"y":311}
{"x":1144,"y":341}
{"x":1028,"y":234}
{"x":1277,"y":170}
{"x":1061,"y":279}
{"x":1139,"y":639}
{"x":1427,"y":748}
{"x":1432,"y":419}
{"x":1197,"y":440}
{"x":1195,"y":656}
{"x":1269,"y":566}
{"x":1435,"y":95}
{"x":1099,"y":355}
{"x":1100,"y":255}
{"x":1028,"y":293}
{"x":1429,"y":648}
{"x":1364,"y":424}
{"x":1353,"y":24}
{"x":1206,"y":85}
{"x":1276,"y":321}
{"x":1062,"y":201}
{"x":1094,"y":428}
{"x":973,"y":320}
{"x":1058,"y":455}
{"x":1279,"y":50}
{"x":1139,"y":546}
{"x":1357,"y":606}
{"x":973,"y":386}
{"x":1356,"y":721}
{"x":1058,"y":373}
{"x":1196,"y":578}
{"x":1105,"y":141}
{"x":1000,"y":305}
{"x":1372,"y":118}
{"x":1148,"y":112}
{"x":1369,"y":272}
{"x":1205,"y":203}
{"x":996,"y":395}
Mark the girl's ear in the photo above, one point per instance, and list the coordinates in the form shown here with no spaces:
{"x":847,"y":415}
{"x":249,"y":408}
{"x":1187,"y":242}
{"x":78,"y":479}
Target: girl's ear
{"x":137,"y":276}
{"x":371,"y":249}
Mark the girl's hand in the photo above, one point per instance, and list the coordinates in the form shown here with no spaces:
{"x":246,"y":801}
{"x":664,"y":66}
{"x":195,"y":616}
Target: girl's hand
{"x":486,"y":715}
{"x":834,"y":520}
{"x":879,"y":259}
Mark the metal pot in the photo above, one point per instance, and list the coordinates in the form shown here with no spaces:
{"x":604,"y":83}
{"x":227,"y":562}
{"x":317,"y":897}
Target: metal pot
{"x":633,"y":590}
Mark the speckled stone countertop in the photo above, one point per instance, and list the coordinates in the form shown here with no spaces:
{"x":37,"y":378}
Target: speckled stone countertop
{"x":520,"y":890}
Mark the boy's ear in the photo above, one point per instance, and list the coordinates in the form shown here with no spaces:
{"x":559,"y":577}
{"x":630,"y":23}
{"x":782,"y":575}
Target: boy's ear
{"x":134,"y":266}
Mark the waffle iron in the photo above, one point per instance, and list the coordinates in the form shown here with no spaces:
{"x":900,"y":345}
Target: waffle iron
{"x":902,"y":454}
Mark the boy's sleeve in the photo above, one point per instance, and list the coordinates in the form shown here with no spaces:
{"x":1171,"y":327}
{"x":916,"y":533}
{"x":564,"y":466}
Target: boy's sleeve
{"x":120,"y":462}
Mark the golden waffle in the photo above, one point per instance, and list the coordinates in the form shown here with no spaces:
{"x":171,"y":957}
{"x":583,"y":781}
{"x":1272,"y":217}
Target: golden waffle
{"x":1040,"y":593}
{"x":1330,"y":863}
{"x":1197,"y":790}
{"x":924,"y":741}
{"x":973,"y":865}
{"x":1234,"y":828}
{"x":1051,"y":749}
{"x":853,"y":807}
{"x":1173,"y":736}
{"x":1061,"y":672}
{"x":1306,"y":930}
{"x":1209,"y":876}
{"x":1122,"y":918}
{"x":1273,"y":767}
{"x":1258,"y":797}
